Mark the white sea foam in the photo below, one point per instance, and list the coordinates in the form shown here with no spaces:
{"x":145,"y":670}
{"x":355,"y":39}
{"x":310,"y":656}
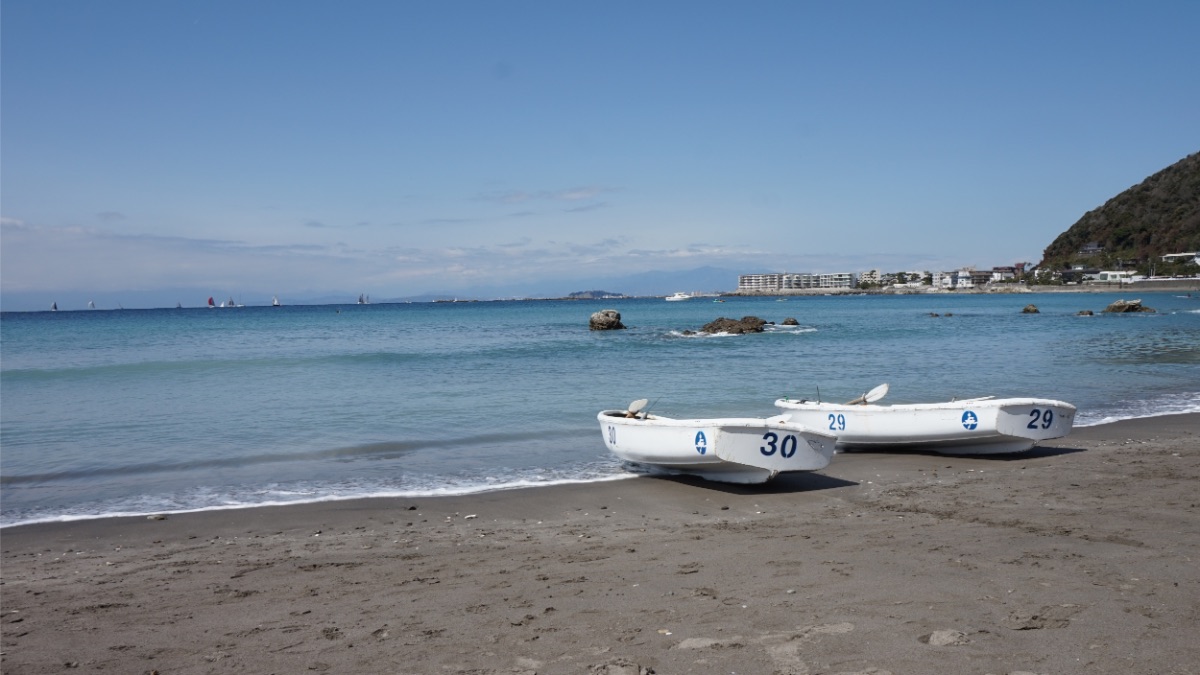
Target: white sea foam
{"x":1158,"y":406}
{"x":149,"y":507}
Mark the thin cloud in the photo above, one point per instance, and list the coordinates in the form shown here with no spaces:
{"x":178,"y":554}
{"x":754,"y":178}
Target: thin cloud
{"x":589,"y":207}
{"x":560,"y":195}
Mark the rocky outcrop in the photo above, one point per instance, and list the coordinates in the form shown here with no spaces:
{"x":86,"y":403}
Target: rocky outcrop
{"x":606,"y":319}
{"x":747,"y":324}
{"x":1124,"y":306}
{"x":1085,"y":312}
{"x":790,"y":321}
{"x":1031,"y":309}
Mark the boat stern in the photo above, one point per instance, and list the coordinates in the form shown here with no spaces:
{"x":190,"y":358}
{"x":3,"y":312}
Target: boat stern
{"x":1035,"y":419}
{"x":776,"y":445}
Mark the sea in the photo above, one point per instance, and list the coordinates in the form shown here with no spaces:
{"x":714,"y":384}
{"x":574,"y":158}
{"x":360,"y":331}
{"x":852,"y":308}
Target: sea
{"x":137,"y":412}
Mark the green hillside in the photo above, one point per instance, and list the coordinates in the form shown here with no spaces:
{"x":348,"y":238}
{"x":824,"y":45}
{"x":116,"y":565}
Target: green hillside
{"x":1160,"y":215}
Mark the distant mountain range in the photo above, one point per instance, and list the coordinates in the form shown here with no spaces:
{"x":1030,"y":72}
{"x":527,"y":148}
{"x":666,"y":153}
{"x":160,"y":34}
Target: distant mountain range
{"x":1158,"y":216}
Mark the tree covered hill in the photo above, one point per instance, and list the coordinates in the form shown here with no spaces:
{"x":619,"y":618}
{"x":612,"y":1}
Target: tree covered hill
{"x":1158,"y":216}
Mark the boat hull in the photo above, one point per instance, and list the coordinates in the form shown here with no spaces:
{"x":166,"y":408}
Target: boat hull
{"x":969,"y":427}
{"x":730,"y":450}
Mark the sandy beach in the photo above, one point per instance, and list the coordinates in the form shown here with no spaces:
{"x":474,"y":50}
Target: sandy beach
{"x":1078,"y":557}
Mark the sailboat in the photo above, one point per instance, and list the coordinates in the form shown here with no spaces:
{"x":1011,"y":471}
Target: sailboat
{"x":364,"y":299}
{"x":211,"y":304}
{"x":275,"y":301}
{"x":54,"y":307}
{"x":91,"y":305}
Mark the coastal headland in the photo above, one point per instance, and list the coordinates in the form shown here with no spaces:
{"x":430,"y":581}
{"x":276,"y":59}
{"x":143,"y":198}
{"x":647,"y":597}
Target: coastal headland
{"x":1080,"y":556}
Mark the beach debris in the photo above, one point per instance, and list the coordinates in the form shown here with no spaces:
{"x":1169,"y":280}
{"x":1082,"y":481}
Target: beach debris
{"x":1050,"y":616}
{"x":1127,"y":306}
{"x":469,"y":517}
{"x":1031,"y":309}
{"x":157,"y":516}
{"x":619,"y":666}
{"x":945,"y":638}
{"x":606,"y":319}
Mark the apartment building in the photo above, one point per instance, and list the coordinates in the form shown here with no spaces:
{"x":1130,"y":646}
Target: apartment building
{"x":783,"y":281}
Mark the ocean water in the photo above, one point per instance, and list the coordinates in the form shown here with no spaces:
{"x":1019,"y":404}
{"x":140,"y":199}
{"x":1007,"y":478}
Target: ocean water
{"x":153,"y":411}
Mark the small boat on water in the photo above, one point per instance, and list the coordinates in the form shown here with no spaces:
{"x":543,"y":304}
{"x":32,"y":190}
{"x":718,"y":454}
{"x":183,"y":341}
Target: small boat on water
{"x":729,"y":450}
{"x":678,"y":296}
{"x":275,"y":301}
{"x":974,"y":426}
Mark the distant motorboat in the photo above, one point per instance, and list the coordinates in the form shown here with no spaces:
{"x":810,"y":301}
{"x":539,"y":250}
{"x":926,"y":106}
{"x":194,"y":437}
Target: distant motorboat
{"x":678,"y":296}
{"x":974,"y":426}
{"x":729,"y":450}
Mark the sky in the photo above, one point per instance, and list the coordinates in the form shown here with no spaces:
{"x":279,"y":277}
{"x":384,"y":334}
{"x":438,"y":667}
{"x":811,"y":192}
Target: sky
{"x":407,"y":147}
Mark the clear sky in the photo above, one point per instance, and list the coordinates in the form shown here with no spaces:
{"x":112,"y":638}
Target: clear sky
{"x":401,"y":147}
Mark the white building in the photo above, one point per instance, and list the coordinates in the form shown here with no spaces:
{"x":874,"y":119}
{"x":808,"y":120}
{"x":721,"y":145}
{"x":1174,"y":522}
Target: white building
{"x":780,"y":281}
{"x":1117,"y":275}
{"x":1193,"y":257}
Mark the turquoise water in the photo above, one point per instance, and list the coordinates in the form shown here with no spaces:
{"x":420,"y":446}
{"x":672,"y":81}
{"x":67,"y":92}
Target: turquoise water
{"x":147,"y":411}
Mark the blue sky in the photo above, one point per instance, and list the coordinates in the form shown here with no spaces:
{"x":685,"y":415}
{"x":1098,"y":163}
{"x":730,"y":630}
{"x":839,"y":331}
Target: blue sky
{"x":398,"y":148}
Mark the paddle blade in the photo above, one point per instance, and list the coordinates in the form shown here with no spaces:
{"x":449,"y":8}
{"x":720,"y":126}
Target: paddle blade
{"x":637,"y":406}
{"x":876,"y":393}
{"x":871,"y":396}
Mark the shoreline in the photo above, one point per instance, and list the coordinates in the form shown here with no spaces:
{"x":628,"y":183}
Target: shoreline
{"x":467,"y":492}
{"x":1158,"y":286}
{"x":1076,"y":556}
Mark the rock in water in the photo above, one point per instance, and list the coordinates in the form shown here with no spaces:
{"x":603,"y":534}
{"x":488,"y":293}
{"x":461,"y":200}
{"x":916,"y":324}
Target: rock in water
{"x":747,"y":324}
{"x":606,"y":319}
{"x":1122,"y":306}
{"x":1031,"y":309}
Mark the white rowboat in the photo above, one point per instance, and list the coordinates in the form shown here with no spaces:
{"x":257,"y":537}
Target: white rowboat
{"x":977,"y":426}
{"x":729,"y":450}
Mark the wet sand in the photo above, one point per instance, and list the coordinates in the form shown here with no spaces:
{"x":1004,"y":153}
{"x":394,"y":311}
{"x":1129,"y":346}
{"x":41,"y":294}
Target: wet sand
{"x":1082,"y":556}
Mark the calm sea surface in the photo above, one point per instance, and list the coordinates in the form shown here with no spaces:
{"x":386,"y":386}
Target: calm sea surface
{"x":150,"y":411}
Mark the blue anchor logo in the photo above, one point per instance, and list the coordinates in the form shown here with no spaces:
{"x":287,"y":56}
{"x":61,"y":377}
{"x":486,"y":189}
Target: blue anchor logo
{"x":701,"y":442}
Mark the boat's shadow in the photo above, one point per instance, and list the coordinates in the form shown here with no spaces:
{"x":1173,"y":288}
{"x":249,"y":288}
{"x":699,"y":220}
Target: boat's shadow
{"x":787,"y":483}
{"x":1037,"y":452}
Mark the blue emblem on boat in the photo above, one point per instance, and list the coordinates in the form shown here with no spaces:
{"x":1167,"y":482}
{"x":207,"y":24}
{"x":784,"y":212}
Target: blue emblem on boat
{"x":701,"y":442}
{"x":970,"y":420}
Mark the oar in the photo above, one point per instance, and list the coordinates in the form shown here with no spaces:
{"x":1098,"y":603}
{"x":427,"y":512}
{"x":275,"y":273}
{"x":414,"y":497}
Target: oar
{"x":871,"y":396}
{"x":636,"y":407}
